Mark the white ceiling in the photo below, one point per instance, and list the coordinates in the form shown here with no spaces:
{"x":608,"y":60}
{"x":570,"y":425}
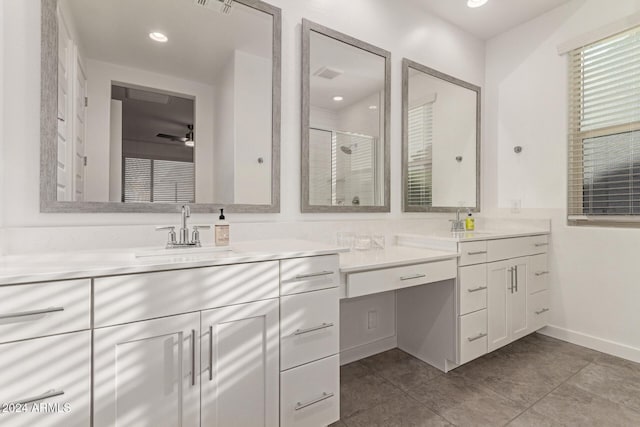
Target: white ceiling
{"x":495,"y":17}
{"x":201,"y":40}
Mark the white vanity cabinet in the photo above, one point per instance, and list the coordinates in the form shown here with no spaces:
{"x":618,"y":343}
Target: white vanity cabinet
{"x":145,"y":373}
{"x":182,"y":347}
{"x":46,"y":381}
{"x":507,"y":303}
{"x":239,"y":365}
{"x":189,"y":346}
{"x":496,"y":281}
{"x":309,"y":337}
{"x":45,"y":354}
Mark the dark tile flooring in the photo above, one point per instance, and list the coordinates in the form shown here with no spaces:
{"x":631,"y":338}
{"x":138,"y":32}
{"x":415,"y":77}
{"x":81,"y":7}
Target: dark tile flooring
{"x":536,"y":381}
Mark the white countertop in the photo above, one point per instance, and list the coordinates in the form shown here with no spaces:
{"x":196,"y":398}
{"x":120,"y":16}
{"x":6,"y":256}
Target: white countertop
{"x":74,"y":265}
{"x":391,"y":256}
{"x":467,"y":236}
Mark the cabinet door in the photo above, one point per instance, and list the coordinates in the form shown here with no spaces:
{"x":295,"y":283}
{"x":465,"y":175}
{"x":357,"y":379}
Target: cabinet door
{"x":46,"y":381}
{"x":145,"y":373}
{"x":240,"y":365}
{"x":518,"y":313}
{"x":499,"y":282}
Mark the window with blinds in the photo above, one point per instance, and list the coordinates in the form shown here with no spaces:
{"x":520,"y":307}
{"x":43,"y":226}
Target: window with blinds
{"x":161,"y":181}
{"x":604,"y":131}
{"x":420,"y":143}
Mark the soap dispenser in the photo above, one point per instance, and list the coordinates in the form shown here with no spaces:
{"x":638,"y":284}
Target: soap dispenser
{"x":222,"y":230}
{"x":470,"y":222}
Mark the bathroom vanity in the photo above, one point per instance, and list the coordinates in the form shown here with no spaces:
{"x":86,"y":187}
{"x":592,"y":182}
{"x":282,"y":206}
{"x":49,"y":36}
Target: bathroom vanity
{"x":248,"y":337}
{"x":458,"y":296}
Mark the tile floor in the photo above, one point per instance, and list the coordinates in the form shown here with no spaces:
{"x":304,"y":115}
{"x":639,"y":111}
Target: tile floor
{"x":536,"y":381}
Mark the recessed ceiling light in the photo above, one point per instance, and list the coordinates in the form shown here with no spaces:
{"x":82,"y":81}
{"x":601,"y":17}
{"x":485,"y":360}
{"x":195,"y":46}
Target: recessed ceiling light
{"x":338,"y":98}
{"x":476,"y":3}
{"x":159,"y":37}
{"x":373,"y":107}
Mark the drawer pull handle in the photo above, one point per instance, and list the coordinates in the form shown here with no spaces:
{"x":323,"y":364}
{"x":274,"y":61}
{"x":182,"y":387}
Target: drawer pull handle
{"x":312,"y":275}
{"x":537,"y":245}
{"x":32,"y":312}
{"x":210,"y":352}
{"x":324,"y":396}
{"x":46,"y":395}
{"x":193,"y":357}
{"x":478,"y":289}
{"x":315,"y":328}
{"x":544,"y":310}
{"x":477,"y":337}
{"x":541,"y":273}
{"x":477,"y":253}
{"x":415,"y":276}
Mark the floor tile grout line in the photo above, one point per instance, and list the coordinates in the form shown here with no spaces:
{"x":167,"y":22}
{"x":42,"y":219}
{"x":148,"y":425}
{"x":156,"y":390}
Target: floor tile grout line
{"x":547,"y":394}
{"x":406,"y":393}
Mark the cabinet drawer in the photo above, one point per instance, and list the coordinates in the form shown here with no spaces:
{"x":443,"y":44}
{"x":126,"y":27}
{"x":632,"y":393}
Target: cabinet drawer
{"x":473,"y":253}
{"x":122,"y":299}
{"x":47,"y":371}
{"x":309,"y":274}
{"x":36,"y":310}
{"x":516,"y":247}
{"x":311,"y":394}
{"x":539,"y":306}
{"x":473,"y":336}
{"x":473,"y":288}
{"x":388,"y":279}
{"x":309,"y":328}
{"x":538,"y":274}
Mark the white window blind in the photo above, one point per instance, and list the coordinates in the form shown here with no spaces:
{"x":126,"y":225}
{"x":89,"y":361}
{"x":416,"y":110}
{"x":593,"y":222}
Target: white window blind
{"x":163,"y":181}
{"x":420,"y":143}
{"x":604,"y":130}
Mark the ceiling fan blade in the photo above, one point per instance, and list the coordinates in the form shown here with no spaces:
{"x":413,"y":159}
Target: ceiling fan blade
{"x":172,"y":137}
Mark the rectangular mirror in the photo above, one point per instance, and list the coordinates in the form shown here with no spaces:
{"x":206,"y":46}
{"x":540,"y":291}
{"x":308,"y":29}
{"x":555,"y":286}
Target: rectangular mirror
{"x":150,"y":104}
{"x":440,"y":141}
{"x":345,"y":123}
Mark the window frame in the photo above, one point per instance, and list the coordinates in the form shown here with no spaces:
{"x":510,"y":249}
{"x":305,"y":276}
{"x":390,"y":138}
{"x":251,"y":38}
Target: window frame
{"x":575,"y":145}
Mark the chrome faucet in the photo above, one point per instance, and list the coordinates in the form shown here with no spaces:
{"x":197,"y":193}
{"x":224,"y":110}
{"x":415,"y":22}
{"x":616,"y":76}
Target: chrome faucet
{"x":184,"y":230}
{"x":457,"y":225}
{"x":183,"y":241}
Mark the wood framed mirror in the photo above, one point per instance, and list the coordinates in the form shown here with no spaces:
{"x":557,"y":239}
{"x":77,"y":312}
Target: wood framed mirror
{"x":440,"y":141}
{"x":151,"y":104}
{"x":346,"y":100}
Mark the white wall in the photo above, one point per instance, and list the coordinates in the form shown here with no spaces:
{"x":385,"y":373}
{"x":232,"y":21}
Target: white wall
{"x":402,"y":28}
{"x":594,"y":271}
{"x":101,"y":75}
{"x":2,"y":137}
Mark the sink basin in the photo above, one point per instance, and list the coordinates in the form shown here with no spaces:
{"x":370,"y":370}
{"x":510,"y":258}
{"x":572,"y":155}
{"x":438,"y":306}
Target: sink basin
{"x":203,"y":250}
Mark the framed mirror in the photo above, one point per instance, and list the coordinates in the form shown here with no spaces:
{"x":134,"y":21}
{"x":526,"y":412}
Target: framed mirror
{"x":440,"y":141}
{"x":345,"y":123}
{"x":150,"y":104}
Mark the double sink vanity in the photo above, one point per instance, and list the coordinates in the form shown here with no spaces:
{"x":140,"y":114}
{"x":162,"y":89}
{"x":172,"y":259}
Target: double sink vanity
{"x":249,"y":336}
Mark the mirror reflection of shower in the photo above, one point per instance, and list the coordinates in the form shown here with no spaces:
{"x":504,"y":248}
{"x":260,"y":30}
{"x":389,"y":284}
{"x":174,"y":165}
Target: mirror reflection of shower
{"x":344,"y":169}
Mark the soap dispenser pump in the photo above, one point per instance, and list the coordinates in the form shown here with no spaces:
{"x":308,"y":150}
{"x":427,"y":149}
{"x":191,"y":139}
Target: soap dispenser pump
{"x":222,"y":230}
{"x":470,"y":222}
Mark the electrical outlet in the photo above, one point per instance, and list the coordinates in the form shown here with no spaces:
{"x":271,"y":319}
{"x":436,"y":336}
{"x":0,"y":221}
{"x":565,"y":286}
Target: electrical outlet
{"x":372,"y":319}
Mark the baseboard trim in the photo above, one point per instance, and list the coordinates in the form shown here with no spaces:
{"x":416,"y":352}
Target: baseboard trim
{"x":369,"y":349}
{"x":605,"y":346}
